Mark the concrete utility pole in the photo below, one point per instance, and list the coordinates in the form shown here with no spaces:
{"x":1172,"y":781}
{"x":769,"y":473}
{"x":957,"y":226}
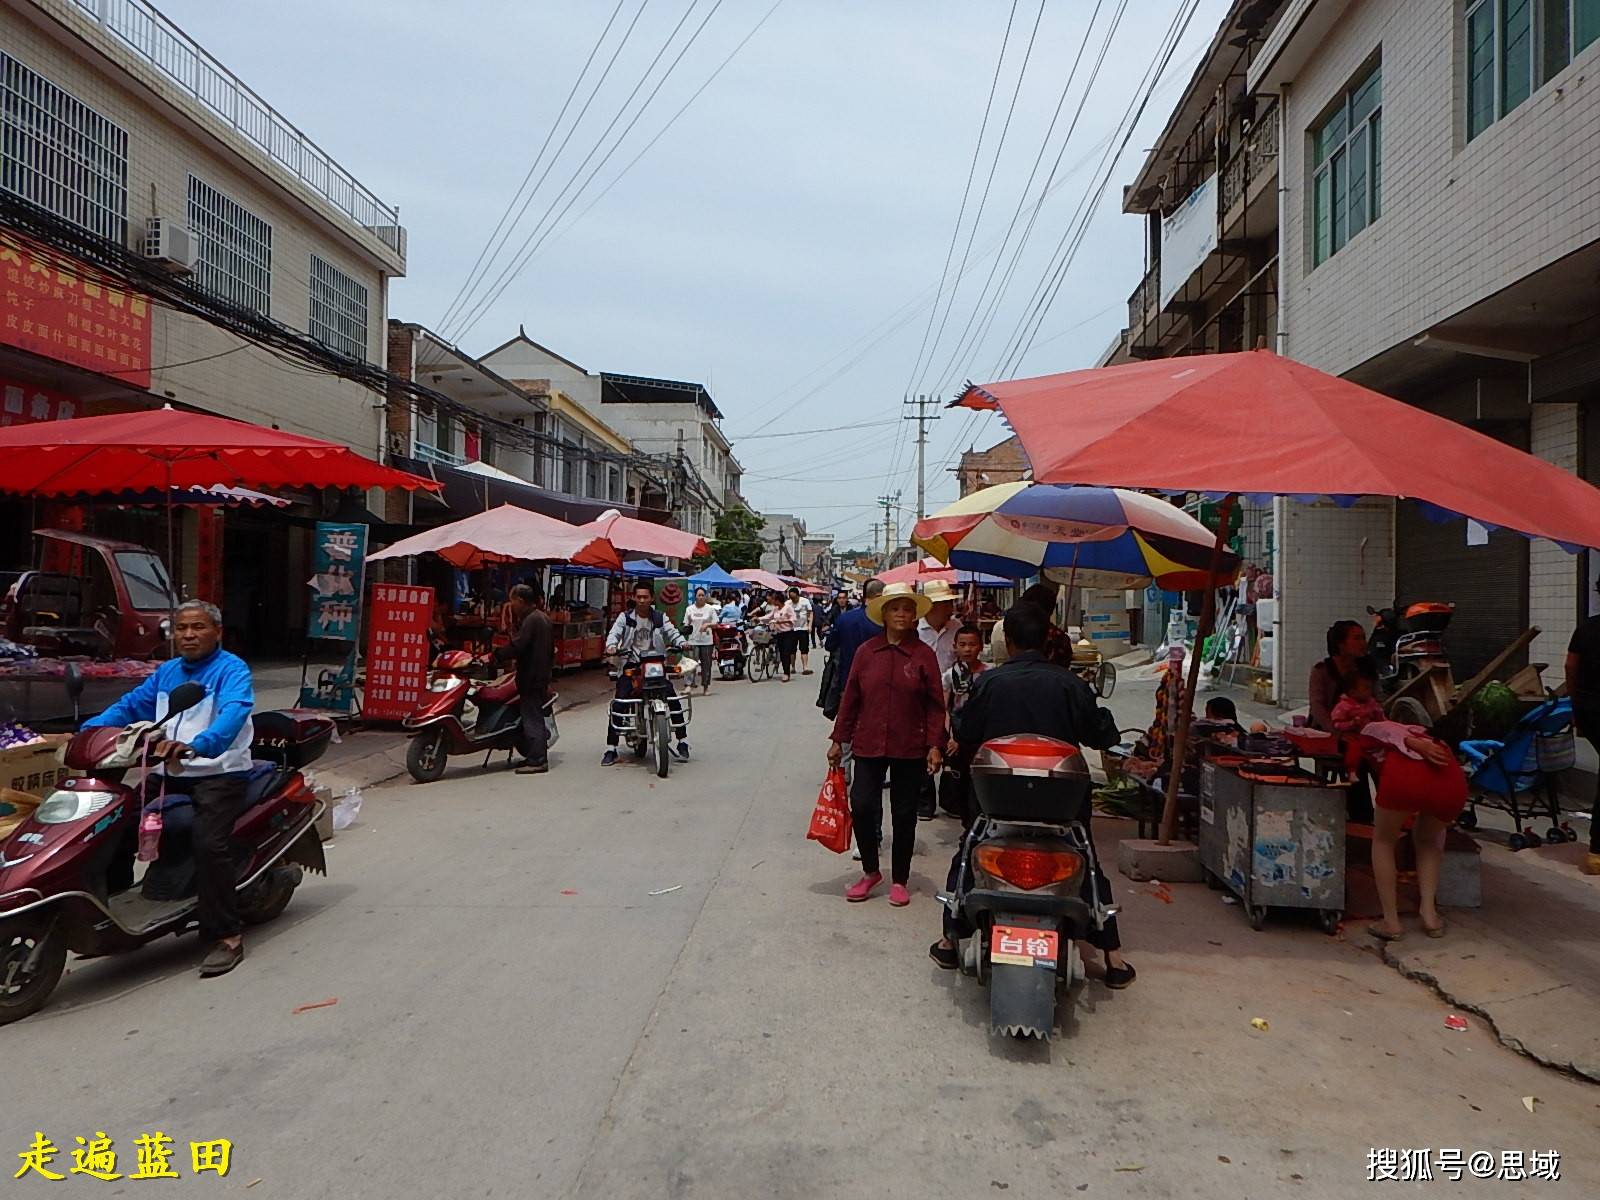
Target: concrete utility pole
{"x":922,"y":404}
{"x":891,"y":532}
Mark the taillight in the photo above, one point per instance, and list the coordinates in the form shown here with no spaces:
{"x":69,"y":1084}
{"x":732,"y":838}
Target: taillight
{"x":1025,"y":866}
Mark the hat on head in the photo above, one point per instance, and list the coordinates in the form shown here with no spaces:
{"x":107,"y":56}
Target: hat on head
{"x":897,"y":591}
{"x":939,"y":592}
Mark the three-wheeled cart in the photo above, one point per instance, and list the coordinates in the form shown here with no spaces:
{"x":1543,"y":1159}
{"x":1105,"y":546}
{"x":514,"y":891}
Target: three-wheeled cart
{"x":1275,"y":838}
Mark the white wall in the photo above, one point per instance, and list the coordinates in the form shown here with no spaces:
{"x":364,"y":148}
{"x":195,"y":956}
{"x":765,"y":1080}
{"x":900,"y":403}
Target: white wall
{"x":1332,"y":563}
{"x":1555,"y":578}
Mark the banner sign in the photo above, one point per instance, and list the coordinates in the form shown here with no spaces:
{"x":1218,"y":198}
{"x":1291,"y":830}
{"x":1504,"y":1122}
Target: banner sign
{"x":1188,"y":236}
{"x":397,"y":650}
{"x":46,"y":309}
{"x":24,"y":404}
{"x":337,"y":556}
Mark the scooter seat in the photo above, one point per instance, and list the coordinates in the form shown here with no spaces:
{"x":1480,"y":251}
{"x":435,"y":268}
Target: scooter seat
{"x":498,"y":693}
{"x":263,"y":779}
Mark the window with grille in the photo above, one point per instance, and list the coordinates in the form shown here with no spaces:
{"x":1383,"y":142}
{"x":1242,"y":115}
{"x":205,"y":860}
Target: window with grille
{"x":235,"y":262}
{"x":58,"y":153}
{"x":338,"y":310}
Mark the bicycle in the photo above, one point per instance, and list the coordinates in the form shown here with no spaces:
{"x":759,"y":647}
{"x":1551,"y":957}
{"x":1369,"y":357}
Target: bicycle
{"x":763,"y":655}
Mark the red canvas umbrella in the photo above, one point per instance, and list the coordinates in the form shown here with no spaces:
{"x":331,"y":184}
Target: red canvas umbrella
{"x":1258,"y":424}
{"x":633,"y":536}
{"x":509,"y":534}
{"x":163,"y":448}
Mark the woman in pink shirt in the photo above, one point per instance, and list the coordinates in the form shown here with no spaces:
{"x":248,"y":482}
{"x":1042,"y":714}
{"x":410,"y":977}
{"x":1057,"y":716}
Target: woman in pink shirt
{"x":781,"y":619}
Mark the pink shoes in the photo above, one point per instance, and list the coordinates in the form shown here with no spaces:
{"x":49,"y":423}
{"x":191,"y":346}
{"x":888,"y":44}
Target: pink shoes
{"x":899,"y":895}
{"x":862,"y":888}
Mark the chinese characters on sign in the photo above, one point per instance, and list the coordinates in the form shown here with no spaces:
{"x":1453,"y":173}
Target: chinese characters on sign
{"x":1388,"y":1164}
{"x":45,"y":308}
{"x":24,"y":404}
{"x":337,"y":561}
{"x":397,"y":650}
{"x":1023,"y":947}
{"x":97,"y":1158}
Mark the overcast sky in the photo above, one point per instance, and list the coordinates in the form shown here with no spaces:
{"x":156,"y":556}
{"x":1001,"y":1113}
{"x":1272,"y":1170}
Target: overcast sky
{"x":783,"y":240}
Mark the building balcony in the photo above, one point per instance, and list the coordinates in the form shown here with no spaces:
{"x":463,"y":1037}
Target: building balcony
{"x":138,"y":25}
{"x":433,"y":454}
{"x":1248,"y":172}
{"x":1143,"y":305}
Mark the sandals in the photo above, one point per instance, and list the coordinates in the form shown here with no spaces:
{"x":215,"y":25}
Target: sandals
{"x":1434,"y":931}
{"x":1383,"y":935}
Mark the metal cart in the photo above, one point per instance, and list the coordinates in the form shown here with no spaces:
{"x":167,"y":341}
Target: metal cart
{"x":1274,"y":845}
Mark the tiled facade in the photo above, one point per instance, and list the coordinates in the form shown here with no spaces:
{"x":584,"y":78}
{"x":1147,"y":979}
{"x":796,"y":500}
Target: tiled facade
{"x":170,"y":137}
{"x":1554,"y":576}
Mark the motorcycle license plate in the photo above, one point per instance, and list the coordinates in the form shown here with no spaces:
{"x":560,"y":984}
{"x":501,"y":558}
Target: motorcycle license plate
{"x":1023,"y":947}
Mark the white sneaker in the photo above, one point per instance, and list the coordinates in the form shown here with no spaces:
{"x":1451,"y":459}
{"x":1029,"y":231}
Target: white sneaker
{"x":856,"y":854}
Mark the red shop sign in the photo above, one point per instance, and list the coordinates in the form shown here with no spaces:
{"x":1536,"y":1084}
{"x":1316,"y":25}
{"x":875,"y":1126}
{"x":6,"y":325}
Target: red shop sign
{"x":45,"y":308}
{"x":23,"y":404}
{"x":397,"y":650}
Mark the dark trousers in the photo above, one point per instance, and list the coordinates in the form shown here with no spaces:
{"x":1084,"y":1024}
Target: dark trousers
{"x":786,"y":643}
{"x":866,"y":810}
{"x":219,"y":800}
{"x":1594,"y":821}
{"x":533,"y":742}
{"x":1101,"y":939}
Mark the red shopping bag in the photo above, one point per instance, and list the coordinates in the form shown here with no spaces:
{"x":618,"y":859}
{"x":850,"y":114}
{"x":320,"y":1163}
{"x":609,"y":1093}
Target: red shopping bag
{"x":830,"y":820}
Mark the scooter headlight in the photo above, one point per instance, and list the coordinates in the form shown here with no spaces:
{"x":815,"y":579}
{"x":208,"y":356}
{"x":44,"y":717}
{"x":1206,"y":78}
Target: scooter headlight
{"x":64,"y":807}
{"x":442,"y":683}
{"x":655,"y":670}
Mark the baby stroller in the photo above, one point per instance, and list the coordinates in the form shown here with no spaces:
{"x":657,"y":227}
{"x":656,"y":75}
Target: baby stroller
{"x":1519,"y":774}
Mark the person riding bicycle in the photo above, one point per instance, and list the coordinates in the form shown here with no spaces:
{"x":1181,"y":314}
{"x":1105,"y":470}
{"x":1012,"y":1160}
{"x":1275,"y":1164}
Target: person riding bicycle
{"x":642,"y":630}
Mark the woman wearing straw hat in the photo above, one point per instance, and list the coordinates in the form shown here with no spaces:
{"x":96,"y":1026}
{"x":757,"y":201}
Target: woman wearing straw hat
{"x":892,"y":715}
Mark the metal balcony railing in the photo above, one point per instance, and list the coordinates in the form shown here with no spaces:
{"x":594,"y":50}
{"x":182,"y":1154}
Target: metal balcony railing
{"x":1259,"y":154}
{"x":1143,"y":303}
{"x":433,"y":454}
{"x":176,"y":55}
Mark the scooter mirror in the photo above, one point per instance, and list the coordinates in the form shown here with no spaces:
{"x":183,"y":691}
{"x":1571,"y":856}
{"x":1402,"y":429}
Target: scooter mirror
{"x":1371,"y":612}
{"x":74,"y":682}
{"x":184,"y":697}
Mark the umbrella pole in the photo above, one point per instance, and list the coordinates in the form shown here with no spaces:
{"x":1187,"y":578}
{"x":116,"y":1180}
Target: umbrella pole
{"x":172,"y":572}
{"x":1208,"y":618}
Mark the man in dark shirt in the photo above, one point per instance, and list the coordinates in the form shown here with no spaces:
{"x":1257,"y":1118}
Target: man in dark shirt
{"x":1030,"y":694}
{"x":850,"y":632}
{"x":1583,"y":685}
{"x":533,"y":648}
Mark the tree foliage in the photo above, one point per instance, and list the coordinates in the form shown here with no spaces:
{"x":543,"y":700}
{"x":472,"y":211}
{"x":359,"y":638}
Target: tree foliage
{"x":737,"y":542}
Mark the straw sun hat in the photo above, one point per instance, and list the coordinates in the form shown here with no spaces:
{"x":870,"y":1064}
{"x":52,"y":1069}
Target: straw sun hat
{"x":897,"y":591}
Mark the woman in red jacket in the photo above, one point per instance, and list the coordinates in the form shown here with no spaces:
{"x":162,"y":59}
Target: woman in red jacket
{"x":892,"y":717}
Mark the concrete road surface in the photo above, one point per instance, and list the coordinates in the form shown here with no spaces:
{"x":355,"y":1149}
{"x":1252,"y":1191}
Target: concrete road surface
{"x":519,"y":1016}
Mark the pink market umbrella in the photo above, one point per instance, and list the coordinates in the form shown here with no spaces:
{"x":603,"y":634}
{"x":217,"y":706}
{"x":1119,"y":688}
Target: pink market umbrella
{"x":508,"y":534}
{"x":633,"y":536}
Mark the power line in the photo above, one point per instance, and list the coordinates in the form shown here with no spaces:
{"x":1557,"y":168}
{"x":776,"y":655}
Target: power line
{"x":473,"y":275}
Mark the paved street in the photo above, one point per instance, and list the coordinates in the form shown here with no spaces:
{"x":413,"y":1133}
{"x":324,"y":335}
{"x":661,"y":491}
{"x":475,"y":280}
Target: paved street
{"x":518,"y":1015}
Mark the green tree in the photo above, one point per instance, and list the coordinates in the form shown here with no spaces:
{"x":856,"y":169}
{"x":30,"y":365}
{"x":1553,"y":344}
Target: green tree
{"x":736,"y":543}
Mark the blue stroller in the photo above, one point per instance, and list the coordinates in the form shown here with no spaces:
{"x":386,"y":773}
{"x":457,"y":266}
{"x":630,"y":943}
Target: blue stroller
{"x":1519,"y":774}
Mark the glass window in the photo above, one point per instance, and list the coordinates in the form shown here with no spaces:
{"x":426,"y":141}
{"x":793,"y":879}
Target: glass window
{"x":1480,"y":68}
{"x":146,"y":577}
{"x":1346,"y":179}
{"x":338,"y":310}
{"x":235,"y":262}
{"x":1555,"y":36}
{"x":1585,"y":23}
{"x":1516,"y":47}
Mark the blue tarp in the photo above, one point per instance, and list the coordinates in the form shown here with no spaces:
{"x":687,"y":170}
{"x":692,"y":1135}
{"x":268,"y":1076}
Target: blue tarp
{"x":715,"y":577}
{"x":639,"y":568}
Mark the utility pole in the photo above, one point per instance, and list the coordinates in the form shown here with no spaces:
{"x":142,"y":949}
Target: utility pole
{"x":922,"y":404}
{"x":891,"y":530}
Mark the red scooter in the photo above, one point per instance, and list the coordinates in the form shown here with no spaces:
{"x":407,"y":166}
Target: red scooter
{"x":66,"y":873}
{"x":470,"y":707}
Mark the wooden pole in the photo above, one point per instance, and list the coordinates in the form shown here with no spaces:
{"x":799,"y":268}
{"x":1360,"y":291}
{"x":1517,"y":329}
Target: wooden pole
{"x":1208,"y":617}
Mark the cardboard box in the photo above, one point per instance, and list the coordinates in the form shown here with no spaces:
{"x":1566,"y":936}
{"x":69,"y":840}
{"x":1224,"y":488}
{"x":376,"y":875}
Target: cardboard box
{"x":33,"y":768}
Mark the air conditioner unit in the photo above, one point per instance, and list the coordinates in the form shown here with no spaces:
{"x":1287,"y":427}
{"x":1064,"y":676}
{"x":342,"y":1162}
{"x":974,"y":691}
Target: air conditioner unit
{"x":171,"y":246}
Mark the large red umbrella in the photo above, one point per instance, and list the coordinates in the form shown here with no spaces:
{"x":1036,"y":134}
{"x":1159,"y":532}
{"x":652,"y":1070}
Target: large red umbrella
{"x":1257,"y":424}
{"x":634,"y":536}
{"x":163,"y":448}
{"x":508,"y":534}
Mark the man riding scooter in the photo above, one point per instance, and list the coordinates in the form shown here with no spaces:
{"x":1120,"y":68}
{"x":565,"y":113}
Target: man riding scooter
{"x":205,"y":754}
{"x":642,"y":630}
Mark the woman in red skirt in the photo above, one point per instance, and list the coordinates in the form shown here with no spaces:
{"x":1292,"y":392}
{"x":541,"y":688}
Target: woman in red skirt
{"x":1418,"y":777}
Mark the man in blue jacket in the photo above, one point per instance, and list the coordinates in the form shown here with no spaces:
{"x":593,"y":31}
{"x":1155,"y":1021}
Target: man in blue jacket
{"x":850,"y":632}
{"x":205,"y":752}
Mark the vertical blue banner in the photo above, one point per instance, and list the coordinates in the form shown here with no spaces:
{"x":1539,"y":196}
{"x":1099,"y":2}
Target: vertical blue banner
{"x":338,"y":557}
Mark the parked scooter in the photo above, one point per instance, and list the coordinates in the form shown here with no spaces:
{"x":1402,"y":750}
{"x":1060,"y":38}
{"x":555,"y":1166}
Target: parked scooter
{"x":1405,"y":647}
{"x":66,"y":873}
{"x":732,"y":651}
{"x":1021,"y":888}
{"x":647,"y":722}
{"x":471,"y":706}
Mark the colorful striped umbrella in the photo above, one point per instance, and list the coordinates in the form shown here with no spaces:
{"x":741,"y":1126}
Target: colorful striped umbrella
{"x":1088,"y":536}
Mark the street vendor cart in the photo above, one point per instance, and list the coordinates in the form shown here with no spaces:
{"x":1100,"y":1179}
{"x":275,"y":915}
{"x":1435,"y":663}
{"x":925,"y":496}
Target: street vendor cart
{"x":1274,"y":836}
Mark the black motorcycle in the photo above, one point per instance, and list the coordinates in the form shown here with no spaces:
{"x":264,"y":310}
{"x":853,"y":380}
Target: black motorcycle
{"x":1021,"y":889}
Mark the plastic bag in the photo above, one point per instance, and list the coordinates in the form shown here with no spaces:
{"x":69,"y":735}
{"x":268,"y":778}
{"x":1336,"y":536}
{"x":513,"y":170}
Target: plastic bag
{"x":554,"y":730}
{"x":830,"y":820}
{"x":346,"y":809}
